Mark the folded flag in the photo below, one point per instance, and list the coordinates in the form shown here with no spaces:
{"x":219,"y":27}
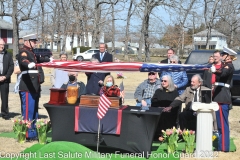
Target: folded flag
{"x":104,"y":104}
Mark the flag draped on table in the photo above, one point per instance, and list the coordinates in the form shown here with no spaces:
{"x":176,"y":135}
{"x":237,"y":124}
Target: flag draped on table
{"x":104,"y":104}
{"x":77,"y":66}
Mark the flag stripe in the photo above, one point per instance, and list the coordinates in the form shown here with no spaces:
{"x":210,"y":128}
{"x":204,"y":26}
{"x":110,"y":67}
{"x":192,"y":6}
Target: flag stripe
{"x":104,"y":104}
{"x":119,"y":120}
{"x":121,"y":66}
{"x":76,"y":118}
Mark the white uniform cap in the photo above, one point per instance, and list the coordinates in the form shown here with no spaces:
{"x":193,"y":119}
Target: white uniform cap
{"x":30,"y":37}
{"x":229,"y":51}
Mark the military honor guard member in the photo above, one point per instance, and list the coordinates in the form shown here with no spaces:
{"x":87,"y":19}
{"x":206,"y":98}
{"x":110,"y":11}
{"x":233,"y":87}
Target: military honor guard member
{"x":29,"y":87}
{"x":222,"y":73}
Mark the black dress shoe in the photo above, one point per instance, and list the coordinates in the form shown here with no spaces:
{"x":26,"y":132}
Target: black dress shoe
{"x":31,"y":139}
{"x":6,"y":118}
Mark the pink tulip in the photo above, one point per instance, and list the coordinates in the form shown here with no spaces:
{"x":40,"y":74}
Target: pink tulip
{"x":180,"y":132}
{"x":161,"y":139}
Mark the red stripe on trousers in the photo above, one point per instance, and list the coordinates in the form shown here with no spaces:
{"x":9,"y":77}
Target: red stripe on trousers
{"x":76,"y":118}
{"x":26,"y":117}
{"x":119,"y":120}
{"x":222,"y":124}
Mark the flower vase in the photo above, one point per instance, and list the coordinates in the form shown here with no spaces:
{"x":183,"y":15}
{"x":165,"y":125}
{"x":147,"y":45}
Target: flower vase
{"x":42,"y":137}
{"x":189,"y":148}
{"x":171,"y":147}
{"x":21,"y":137}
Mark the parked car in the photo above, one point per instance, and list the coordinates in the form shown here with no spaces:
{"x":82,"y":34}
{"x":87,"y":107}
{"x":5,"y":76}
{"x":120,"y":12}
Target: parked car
{"x":201,"y":57}
{"x":42,"y":53}
{"x":87,"y":55}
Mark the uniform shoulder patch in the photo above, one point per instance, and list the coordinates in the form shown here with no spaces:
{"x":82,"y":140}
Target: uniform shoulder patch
{"x":23,"y":54}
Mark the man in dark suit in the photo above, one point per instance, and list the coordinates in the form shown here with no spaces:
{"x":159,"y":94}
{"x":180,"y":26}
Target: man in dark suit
{"x":103,"y":55}
{"x":170,"y":52}
{"x":6,"y":70}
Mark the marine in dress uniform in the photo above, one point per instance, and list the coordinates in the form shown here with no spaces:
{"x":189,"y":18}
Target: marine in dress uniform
{"x":221,"y":80}
{"x":29,"y":87}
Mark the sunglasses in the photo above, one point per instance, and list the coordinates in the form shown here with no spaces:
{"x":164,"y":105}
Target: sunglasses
{"x":164,"y":81}
{"x":151,"y":74}
{"x":172,"y":61}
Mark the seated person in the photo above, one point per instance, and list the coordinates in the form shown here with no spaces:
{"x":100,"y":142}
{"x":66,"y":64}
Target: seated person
{"x":146,"y":89}
{"x":94,"y":80}
{"x":73,"y":82}
{"x":191,"y":94}
{"x":109,"y":88}
{"x":180,"y":78}
{"x":58,"y":76}
{"x":163,"y":97}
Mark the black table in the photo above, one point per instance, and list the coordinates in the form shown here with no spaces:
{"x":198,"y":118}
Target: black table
{"x":137,"y":129}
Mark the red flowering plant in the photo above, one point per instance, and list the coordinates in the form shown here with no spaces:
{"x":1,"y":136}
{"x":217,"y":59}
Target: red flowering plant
{"x":170,"y":136}
{"x":20,"y":127}
{"x":120,"y":75}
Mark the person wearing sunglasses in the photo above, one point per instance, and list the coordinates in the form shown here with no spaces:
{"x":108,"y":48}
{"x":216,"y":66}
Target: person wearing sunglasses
{"x":180,"y":79}
{"x":163,"y":97}
{"x":146,"y":89}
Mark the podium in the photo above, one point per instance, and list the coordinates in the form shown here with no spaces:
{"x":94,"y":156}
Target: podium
{"x":204,"y":128}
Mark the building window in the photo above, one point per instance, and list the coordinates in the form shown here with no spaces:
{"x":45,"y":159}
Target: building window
{"x":9,"y":36}
{"x":212,"y":46}
{"x":55,"y":43}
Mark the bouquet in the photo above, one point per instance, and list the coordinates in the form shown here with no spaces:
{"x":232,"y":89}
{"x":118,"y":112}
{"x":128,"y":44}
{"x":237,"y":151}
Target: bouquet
{"x":120,"y":75}
{"x":20,"y":127}
{"x":170,"y":136}
{"x":189,"y":138}
{"x":43,"y":127}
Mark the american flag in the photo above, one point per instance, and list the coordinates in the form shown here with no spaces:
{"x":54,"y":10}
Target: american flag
{"x":76,"y":66}
{"x":104,"y":104}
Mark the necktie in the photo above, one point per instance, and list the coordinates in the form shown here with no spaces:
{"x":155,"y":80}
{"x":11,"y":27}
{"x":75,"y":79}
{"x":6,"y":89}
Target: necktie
{"x":101,"y":56}
{"x":195,"y":96}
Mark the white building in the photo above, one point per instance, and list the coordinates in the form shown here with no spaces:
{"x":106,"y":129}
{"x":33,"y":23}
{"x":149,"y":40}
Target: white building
{"x":69,"y":41}
{"x":6,"y":33}
{"x":216,"y":41}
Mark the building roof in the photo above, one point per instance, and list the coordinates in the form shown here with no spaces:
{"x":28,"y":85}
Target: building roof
{"x":117,"y":44}
{"x":25,"y":32}
{"x":213,"y":33}
{"x":204,"y":43}
{"x":5,"y":25}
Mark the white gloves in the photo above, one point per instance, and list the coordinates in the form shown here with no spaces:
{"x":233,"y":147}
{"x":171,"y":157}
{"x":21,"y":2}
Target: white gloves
{"x":213,"y":69}
{"x":31,"y":65}
{"x":51,"y":59}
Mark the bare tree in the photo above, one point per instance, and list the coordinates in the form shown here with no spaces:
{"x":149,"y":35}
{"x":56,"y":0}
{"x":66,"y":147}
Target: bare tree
{"x":97,"y":20}
{"x":229,"y":21}
{"x":210,"y":14}
{"x":184,"y":9}
{"x":19,"y":10}
{"x":148,"y":6}
{"x":126,"y":41}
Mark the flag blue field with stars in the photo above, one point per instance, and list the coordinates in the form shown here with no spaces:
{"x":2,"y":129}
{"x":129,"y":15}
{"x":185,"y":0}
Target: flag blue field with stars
{"x":153,"y":67}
